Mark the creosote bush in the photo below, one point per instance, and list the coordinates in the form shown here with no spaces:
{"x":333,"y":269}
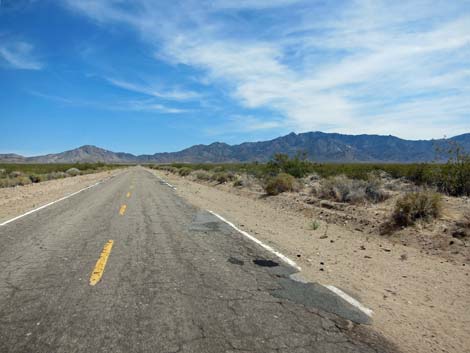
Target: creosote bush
{"x":184,"y":171}
{"x":423,"y":205}
{"x":280,"y":183}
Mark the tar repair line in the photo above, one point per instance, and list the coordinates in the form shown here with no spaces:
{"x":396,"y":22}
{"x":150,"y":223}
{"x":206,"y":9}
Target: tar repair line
{"x":101,"y":263}
{"x":335,"y":290}
{"x":49,"y":204}
{"x":162,"y":180}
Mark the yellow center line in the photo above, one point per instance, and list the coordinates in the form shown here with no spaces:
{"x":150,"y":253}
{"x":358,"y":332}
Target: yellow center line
{"x":128,"y":194}
{"x":101,"y":263}
{"x":122,"y":210}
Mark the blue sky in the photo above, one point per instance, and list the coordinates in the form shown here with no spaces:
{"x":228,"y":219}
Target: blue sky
{"x":146,"y":76}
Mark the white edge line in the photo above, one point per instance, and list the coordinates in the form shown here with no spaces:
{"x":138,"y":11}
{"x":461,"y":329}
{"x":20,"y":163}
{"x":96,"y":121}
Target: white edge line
{"x":49,"y":204}
{"x":259,"y":242}
{"x":161,"y":179}
{"x":350,"y":300}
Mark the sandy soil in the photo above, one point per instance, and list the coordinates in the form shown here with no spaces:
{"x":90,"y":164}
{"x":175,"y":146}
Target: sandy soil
{"x":17,"y":200}
{"x":421,"y":301}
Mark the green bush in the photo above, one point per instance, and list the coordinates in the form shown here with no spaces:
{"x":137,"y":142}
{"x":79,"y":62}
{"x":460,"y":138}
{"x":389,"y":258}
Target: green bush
{"x":184,"y":171}
{"x":280,"y":183}
{"x":424,"y":205}
{"x":297,"y":166}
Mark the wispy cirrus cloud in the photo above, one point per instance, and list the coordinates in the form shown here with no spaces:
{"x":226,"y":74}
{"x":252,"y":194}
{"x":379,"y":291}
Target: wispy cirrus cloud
{"x":172,"y":94}
{"x":19,"y":55}
{"x":135,"y":105}
{"x":381,"y":67}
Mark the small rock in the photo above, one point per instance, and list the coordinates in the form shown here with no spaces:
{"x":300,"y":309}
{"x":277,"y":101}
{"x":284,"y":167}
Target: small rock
{"x":298,"y":255}
{"x":324,"y":237}
{"x":367,"y":257}
{"x":403,"y":257}
{"x":459,"y":233}
{"x":332,"y":241}
{"x":363,"y":247}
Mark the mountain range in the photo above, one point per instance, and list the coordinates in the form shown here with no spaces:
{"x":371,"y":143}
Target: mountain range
{"x":318,"y":146}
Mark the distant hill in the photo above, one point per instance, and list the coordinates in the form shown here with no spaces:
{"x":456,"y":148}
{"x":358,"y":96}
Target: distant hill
{"x":319,"y":146}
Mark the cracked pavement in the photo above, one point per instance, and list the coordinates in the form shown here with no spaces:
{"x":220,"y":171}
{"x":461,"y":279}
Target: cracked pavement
{"x":177,"y":280}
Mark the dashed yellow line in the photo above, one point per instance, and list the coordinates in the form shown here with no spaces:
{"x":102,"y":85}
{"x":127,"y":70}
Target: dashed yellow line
{"x":101,"y":263}
{"x":128,"y":194}
{"x":122,"y":210}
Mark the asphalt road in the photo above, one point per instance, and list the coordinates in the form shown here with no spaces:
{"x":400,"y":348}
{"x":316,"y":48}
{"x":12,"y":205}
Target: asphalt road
{"x":176,"y":279}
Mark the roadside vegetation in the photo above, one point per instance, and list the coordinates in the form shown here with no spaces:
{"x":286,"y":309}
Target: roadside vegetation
{"x":24,"y":174}
{"x":405,"y":194}
{"x":343,"y":179}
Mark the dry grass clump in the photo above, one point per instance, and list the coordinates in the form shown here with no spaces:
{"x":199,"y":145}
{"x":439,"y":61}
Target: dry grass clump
{"x":56,"y":175}
{"x":343,"y":189}
{"x":223,"y":177}
{"x":423,"y":205}
{"x":73,"y":171}
{"x":202,"y":175}
{"x":281,"y":183}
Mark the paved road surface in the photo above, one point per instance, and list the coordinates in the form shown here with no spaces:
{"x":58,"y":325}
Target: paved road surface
{"x":176,"y":279}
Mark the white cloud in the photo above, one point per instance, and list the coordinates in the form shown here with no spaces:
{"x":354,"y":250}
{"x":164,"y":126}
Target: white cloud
{"x":375,"y":66}
{"x":19,"y":55}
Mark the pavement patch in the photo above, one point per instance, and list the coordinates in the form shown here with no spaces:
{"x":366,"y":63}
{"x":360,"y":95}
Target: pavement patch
{"x":314,"y":295}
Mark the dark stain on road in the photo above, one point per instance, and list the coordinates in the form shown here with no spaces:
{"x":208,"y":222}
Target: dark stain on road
{"x":265,"y":263}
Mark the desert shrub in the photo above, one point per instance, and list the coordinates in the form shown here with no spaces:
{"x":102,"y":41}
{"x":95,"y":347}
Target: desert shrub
{"x":223,"y":177}
{"x":202,"y":175}
{"x":37,"y":178}
{"x":73,"y":171}
{"x":374,"y":189}
{"x":5,"y":182}
{"x":453,"y":178}
{"x":280,"y":183}
{"x":15,"y":174}
{"x":343,"y":189}
{"x":56,"y":175}
{"x":23,"y":180}
{"x":423,"y":205}
{"x":238,"y":183}
{"x":184,"y":171}
{"x":297,"y":166}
